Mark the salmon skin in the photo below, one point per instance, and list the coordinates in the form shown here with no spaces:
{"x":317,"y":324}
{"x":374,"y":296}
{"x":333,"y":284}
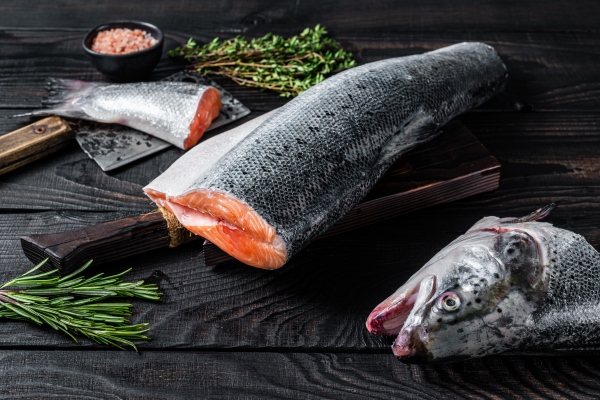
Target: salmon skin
{"x":316,"y":157}
{"x":177,"y":112}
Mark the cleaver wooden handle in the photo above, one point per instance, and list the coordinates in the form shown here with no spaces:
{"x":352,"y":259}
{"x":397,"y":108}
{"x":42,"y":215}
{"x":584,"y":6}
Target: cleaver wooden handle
{"x":104,"y":243}
{"x":33,"y":141}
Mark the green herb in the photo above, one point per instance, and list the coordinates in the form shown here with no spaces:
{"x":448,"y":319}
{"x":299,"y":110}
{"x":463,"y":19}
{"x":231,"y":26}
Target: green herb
{"x":74,"y":304}
{"x":288,"y":66}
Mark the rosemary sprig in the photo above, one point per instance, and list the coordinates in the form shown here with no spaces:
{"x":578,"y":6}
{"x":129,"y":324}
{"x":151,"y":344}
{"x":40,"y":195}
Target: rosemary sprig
{"x":288,"y":66}
{"x":75,"y":305}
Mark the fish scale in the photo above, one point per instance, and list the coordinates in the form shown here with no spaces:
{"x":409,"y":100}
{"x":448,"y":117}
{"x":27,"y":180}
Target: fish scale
{"x":170,"y":111}
{"x":177,"y":112}
{"x":568,"y":315}
{"x":320,"y":154}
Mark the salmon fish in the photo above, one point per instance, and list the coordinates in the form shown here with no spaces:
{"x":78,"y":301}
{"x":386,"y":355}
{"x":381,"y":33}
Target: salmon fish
{"x":506,"y":284}
{"x":316,"y":157}
{"x":177,"y":112}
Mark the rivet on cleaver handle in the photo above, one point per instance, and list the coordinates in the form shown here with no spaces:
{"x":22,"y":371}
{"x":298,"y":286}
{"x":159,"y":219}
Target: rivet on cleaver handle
{"x":32,"y":142}
{"x":104,"y":243}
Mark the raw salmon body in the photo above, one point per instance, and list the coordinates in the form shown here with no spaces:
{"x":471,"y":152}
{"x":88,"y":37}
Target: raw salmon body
{"x":314,"y":159}
{"x":177,"y":112}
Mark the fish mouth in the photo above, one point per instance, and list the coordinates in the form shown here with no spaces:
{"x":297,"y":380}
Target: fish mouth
{"x":388,"y":317}
{"x":399,"y":314}
{"x":402,"y":345}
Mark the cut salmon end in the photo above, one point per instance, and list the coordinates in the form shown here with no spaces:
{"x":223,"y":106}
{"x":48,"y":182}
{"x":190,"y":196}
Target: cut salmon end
{"x":208,"y":109}
{"x":227,"y":208}
{"x":228,"y":223}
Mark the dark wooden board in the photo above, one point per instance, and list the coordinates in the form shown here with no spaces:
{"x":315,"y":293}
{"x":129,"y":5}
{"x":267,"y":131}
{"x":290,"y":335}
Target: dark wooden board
{"x":232,"y":331}
{"x":539,"y":151}
{"x":548,"y":71}
{"x":318,"y":301}
{"x":386,"y":17}
{"x":103,"y":243}
{"x":260,"y":375}
{"x":452,"y":166}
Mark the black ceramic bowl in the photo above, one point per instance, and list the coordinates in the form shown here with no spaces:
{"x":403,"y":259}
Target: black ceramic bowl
{"x":125,"y":67}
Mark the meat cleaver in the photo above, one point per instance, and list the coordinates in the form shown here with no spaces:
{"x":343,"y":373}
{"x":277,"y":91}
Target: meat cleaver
{"x":110,"y":145}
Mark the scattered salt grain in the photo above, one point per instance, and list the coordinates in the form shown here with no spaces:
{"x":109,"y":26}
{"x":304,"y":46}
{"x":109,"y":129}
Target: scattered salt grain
{"x":122,"y":41}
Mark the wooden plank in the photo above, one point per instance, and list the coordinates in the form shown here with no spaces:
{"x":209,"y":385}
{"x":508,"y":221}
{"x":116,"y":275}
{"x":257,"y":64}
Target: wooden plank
{"x":320,"y":300}
{"x":547,"y":70}
{"x":250,"y":375}
{"x":70,"y":180}
{"x":354,"y":16}
{"x":538,"y":150}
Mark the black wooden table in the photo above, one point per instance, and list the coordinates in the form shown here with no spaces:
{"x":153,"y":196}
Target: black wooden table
{"x":298,"y":332}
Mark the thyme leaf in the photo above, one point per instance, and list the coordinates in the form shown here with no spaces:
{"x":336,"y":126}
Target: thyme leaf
{"x":287,"y":66}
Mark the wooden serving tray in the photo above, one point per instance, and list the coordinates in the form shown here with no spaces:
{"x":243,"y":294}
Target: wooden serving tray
{"x":453,"y":166}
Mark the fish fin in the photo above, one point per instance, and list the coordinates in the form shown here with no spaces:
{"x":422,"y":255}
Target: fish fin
{"x":61,"y":91}
{"x":417,"y":130}
{"x":62,"y":98}
{"x":69,"y":113}
{"x":538,"y":214}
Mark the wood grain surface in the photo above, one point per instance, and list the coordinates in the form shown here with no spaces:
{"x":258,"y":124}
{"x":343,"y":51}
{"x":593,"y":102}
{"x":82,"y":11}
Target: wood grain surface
{"x":33,"y":142}
{"x":230,"y":331}
{"x":265,"y":375}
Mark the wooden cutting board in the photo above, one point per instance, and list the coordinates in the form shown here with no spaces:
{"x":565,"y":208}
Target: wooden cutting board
{"x":453,"y":166}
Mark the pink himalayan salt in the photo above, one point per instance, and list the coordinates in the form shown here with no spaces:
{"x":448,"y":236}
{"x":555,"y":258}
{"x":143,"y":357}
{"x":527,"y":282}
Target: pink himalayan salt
{"x":122,"y":41}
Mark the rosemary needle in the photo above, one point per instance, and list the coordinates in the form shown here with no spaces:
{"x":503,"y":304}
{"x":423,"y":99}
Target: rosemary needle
{"x":75,"y":305}
{"x":288,"y":66}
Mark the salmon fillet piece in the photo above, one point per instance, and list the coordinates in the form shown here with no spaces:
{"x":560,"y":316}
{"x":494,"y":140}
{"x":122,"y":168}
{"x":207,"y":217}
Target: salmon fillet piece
{"x":228,"y":223}
{"x":303,"y":168}
{"x":177,"y":112}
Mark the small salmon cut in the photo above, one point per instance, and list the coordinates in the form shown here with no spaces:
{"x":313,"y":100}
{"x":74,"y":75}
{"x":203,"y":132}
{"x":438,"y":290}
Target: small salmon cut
{"x":177,"y":112}
{"x":310,"y":162}
{"x":229,"y":224}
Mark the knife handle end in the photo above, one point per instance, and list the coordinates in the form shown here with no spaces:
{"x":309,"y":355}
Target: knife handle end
{"x":33,"y":141}
{"x":104,"y":243}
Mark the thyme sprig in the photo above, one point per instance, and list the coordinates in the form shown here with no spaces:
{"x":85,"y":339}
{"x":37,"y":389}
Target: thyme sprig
{"x":288,"y":66}
{"x":75,"y":305}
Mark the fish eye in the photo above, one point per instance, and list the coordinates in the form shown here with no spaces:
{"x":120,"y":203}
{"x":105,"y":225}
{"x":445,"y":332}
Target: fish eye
{"x":449,"y":301}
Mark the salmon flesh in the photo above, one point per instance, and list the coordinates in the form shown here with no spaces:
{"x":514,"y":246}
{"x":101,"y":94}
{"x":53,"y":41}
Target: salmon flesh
{"x":177,"y":112}
{"x":315,"y":158}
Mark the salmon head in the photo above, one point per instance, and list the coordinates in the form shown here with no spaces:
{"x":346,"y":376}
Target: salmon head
{"x":475,"y":297}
